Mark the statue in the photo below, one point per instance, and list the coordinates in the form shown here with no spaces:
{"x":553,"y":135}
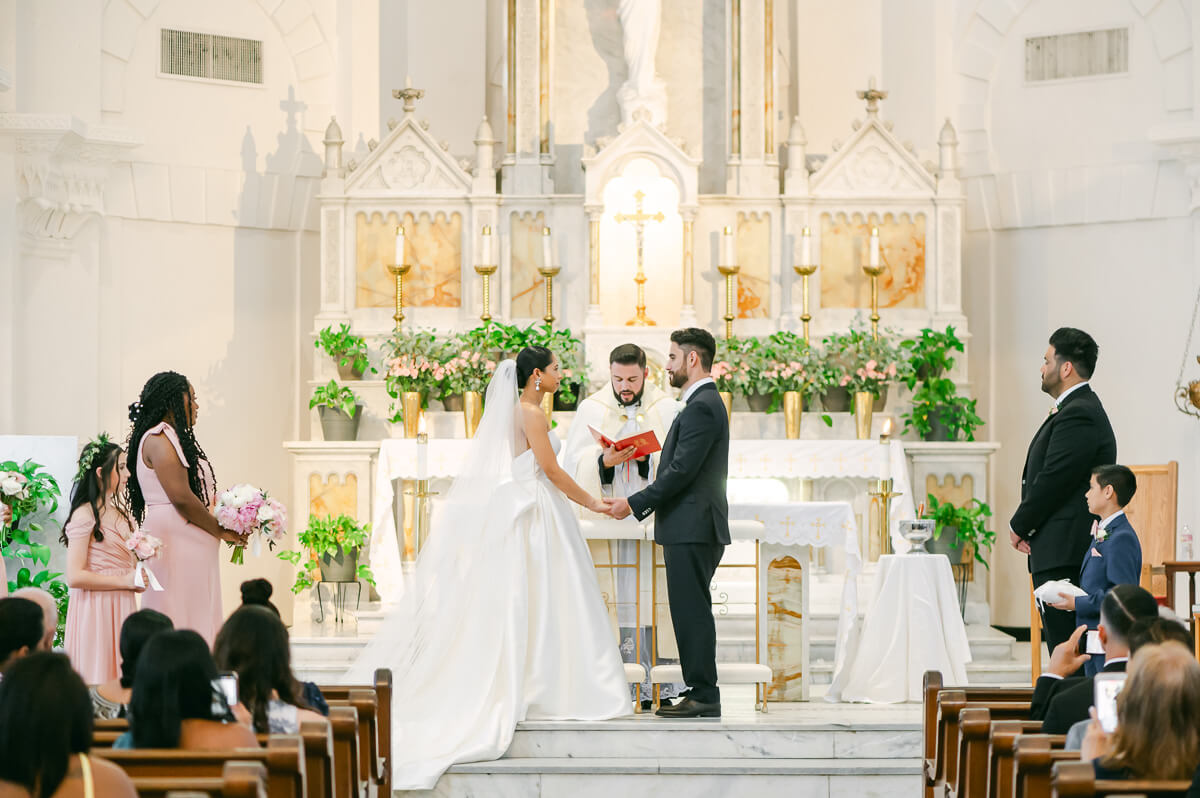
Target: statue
{"x":641,"y":21}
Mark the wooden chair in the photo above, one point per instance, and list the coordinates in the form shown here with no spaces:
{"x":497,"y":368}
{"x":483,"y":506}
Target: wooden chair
{"x":382,"y":764}
{"x":283,"y":757}
{"x":1078,"y":780}
{"x":1153,"y":513}
{"x":237,"y":780}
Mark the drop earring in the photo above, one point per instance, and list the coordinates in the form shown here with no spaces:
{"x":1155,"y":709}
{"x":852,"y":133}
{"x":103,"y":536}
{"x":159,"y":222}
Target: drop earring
{"x":537,"y":384}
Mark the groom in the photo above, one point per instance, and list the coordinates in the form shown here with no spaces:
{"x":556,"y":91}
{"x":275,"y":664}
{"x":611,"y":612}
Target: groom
{"x":692,"y":524}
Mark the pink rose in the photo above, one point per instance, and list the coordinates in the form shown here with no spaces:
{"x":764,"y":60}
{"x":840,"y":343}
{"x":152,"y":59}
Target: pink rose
{"x":871,"y":365}
{"x":891,"y":370}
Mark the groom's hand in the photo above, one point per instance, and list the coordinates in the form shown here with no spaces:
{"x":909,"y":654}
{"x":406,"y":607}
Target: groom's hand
{"x":619,"y":509}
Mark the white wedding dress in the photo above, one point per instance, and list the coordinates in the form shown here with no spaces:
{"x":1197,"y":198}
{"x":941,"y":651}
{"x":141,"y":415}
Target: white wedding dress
{"x":503,"y":620}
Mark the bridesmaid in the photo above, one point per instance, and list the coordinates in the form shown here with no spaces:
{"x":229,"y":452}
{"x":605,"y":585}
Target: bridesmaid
{"x":99,"y":565}
{"x":171,"y":490}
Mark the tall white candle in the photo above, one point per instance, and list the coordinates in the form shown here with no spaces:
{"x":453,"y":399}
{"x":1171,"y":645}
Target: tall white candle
{"x":547,"y":249}
{"x":729,"y":252}
{"x":485,"y":246}
{"x":874,"y":246}
{"x":422,"y":450}
{"x":805,"y":248}
{"x":399,"y":245}
{"x":885,"y":447}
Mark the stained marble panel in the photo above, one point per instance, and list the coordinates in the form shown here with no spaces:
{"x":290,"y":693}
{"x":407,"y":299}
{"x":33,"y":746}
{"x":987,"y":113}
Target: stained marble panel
{"x":844,"y":248}
{"x":333,"y":496}
{"x":434,"y":249}
{"x":785,"y":628}
{"x":528,"y":292}
{"x":754,"y":256}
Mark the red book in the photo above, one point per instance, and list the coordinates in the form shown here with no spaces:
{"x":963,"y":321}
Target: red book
{"x":646,"y":442}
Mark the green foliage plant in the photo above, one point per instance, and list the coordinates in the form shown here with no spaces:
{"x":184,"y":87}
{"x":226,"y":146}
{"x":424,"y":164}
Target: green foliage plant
{"x":338,"y":397}
{"x":934,"y":393}
{"x":970,"y":520}
{"x":346,"y":348}
{"x":322,"y":537}
{"x":32,"y":510}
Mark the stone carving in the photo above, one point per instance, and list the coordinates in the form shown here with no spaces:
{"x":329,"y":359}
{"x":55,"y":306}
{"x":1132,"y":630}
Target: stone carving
{"x":406,"y":168}
{"x":641,"y":21}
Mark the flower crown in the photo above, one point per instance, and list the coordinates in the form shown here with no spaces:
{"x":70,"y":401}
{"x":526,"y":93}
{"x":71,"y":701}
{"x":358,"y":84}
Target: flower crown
{"x":88,"y":456}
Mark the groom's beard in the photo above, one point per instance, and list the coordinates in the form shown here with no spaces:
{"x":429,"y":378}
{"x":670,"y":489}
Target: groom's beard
{"x":621,"y":400}
{"x":678,"y":378}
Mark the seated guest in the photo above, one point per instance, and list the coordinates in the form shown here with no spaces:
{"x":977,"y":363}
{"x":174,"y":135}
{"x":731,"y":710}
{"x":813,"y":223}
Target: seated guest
{"x":49,"y":614}
{"x":257,"y":592}
{"x":21,"y":623}
{"x":1115,"y":554}
{"x":46,"y":732}
{"x":254,"y":643}
{"x":175,"y":701}
{"x":1158,"y":720}
{"x":111,"y":699}
{"x":1061,"y":702}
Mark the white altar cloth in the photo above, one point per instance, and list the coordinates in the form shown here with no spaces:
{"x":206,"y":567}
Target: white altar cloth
{"x":913,"y":625}
{"x":768,"y":458}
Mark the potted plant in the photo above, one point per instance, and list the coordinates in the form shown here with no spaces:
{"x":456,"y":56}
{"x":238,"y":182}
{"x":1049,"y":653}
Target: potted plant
{"x":339,"y":410}
{"x":862,"y":363}
{"x":730,"y":370}
{"x":413,"y":372}
{"x":937,"y":413}
{"x":962,"y":526}
{"x":348,"y":350}
{"x":32,"y":494}
{"x":759,"y":362}
{"x":332,"y":544}
{"x":467,"y":372}
{"x":572,"y":366}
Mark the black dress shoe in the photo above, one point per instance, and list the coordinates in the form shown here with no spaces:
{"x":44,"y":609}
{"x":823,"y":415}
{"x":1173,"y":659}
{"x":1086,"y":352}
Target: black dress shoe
{"x":690,"y":708}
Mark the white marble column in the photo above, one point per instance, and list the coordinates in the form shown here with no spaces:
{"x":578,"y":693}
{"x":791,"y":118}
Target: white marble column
{"x":528,"y":163}
{"x":753,"y":166}
{"x":594,"y":317}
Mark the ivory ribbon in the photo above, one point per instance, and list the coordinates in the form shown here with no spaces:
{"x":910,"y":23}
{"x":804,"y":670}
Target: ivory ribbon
{"x":140,"y":581}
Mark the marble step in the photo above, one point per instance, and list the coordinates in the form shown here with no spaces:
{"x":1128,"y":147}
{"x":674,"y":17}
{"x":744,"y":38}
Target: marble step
{"x":655,"y":777}
{"x":987,"y":645}
{"x":1001,"y":673}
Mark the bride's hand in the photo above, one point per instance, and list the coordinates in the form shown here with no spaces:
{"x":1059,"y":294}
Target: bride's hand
{"x":601,"y":506}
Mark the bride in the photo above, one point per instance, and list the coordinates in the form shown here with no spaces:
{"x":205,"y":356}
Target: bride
{"x":503,"y":619}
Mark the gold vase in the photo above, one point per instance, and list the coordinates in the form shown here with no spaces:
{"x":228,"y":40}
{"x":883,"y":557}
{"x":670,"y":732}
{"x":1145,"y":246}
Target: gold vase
{"x":863,"y":401}
{"x":727,"y":398}
{"x":472,"y":410}
{"x":793,"y":404}
{"x":548,"y":406}
{"x":411,"y":403}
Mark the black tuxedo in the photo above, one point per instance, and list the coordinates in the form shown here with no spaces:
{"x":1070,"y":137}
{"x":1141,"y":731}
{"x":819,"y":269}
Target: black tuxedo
{"x":1053,"y":515}
{"x":688,"y":498}
{"x":1061,"y":703}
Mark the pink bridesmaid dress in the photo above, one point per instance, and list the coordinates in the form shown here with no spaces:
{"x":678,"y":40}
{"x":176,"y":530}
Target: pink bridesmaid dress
{"x":94,"y":617}
{"x":187,"y":566}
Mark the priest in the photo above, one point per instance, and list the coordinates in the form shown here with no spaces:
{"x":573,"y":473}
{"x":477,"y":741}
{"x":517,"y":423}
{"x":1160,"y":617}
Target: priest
{"x":627,"y":406}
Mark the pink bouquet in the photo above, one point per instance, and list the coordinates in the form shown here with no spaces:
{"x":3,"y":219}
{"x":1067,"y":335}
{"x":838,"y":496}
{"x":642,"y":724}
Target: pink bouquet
{"x":246,"y":510}
{"x":144,"y":547}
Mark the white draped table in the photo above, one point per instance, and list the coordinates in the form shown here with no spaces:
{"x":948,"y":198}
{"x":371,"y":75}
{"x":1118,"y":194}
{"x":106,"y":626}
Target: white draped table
{"x":913,"y":625}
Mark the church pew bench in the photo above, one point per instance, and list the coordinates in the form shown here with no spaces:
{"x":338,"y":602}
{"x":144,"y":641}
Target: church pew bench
{"x":237,"y":780}
{"x":283,"y":758}
{"x":932,"y":731}
{"x":383,"y":715}
{"x":951,"y":703}
{"x":1078,"y":780}
{"x":975,"y":766}
{"x":364,"y":704}
{"x":1034,"y":761}
{"x":1002,"y":747}
{"x":348,"y":779}
{"x":317,"y":737}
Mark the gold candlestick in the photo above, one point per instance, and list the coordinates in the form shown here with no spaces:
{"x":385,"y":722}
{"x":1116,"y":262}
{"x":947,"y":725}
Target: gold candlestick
{"x":549,"y":273}
{"x":805,"y":270}
{"x":874,"y":271}
{"x":881,"y":495}
{"x":486,"y":273}
{"x":729,"y":272}
{"x":399,"y":270}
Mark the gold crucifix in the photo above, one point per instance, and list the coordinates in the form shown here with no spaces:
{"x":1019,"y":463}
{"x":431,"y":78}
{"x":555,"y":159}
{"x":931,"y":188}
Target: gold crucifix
{"x":639,"y":220}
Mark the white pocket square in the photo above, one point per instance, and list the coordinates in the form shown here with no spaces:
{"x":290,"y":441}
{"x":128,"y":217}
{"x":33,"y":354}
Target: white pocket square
{"x":1096,"y":553}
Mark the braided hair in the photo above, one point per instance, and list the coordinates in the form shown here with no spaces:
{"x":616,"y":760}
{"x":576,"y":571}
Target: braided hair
{"x":164,"y":395}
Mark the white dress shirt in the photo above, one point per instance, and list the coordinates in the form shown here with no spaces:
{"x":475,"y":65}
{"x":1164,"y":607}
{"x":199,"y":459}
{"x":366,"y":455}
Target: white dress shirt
{"x":1058,"y":402}
{"x":688,"y":393}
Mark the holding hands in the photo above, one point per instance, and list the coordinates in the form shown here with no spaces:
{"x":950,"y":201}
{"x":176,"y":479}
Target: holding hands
{"x":615,"y":508}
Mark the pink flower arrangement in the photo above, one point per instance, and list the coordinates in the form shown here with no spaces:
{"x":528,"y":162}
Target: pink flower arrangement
{"x":145,"y":547}
{"x":246,"y":510}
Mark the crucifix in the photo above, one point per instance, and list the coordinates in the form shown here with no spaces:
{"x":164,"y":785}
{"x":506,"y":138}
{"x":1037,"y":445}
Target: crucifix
{"x":639,"y":220}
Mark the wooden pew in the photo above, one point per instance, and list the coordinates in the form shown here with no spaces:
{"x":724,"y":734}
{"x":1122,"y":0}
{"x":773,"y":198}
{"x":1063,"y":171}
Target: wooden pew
{"x":1002,"y":747}
{"x":237,"y":780}
{"x":1078,"y":780}
{"x":381,"y":769}
{"x":283,"y":757}
{"x":365,"y":704}
{"x":347,"y":778}
{"x":951,"y":703}
{"x":1035,"y":758}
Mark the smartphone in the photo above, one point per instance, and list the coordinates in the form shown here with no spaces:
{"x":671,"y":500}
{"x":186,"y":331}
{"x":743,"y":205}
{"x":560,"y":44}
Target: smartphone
{"x":1107,"y":687}
{"x":1090,"y":643}
{"x":227,"y":684}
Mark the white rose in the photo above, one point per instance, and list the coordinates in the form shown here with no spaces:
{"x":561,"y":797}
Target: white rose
{"x":265,"y":514}
{"x":10,"y":486}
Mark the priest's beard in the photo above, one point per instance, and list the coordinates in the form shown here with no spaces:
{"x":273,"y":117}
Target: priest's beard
{"x":637,"y":397}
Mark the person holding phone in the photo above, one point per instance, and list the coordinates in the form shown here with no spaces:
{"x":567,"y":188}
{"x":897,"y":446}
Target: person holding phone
{"x":1115,"y":554}
{"x":1150,"y":742}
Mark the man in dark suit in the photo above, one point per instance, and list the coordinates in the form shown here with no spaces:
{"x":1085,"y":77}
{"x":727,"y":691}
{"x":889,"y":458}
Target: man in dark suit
{"x":692,"y":516}
{"x":1052,"y":522}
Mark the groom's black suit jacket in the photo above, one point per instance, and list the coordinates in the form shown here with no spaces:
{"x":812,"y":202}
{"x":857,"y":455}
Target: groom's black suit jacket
{"x":1053,"y":515}
{"x":688,"y":493}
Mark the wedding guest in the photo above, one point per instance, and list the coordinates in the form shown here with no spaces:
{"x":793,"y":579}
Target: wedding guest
{"x":111,"y":699}
{"x":49,"y":614}
{"x":99,"y":565}
{"x":257,"y":593}
{"x":254,"y":644}
{"x":171,"y":489}
{"x":175,"y":703}
{"x":1158,"y":719}
{"x":21,"y":622}
{"x":1115,"y":555}
{"x":46,"y":733}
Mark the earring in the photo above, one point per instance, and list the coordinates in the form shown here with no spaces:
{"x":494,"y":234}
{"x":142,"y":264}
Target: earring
{"x":537,"y":384}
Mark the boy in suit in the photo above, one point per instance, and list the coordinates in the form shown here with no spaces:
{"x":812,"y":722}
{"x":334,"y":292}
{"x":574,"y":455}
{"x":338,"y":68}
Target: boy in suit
{"x":1115,"y":554}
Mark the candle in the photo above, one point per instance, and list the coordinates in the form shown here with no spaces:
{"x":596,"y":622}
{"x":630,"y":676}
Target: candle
{"x":422,"y":450}
{"x":886,"y":447}
{"x":399,"y":245}
{"x":874,"y":246}
{"x":485,"y":246}
{"x":547,"y":249}
{"x":805,"y":247}
{"x":729,"y":253}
